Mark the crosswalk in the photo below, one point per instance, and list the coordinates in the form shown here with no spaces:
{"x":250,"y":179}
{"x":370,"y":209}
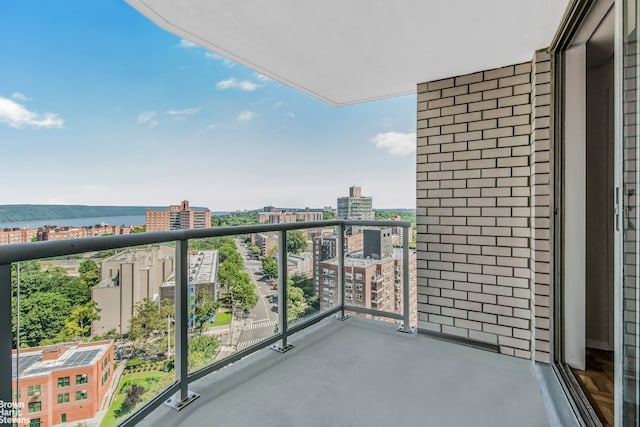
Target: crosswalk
{"x":260,"y":324}
{"x":247,"y":344}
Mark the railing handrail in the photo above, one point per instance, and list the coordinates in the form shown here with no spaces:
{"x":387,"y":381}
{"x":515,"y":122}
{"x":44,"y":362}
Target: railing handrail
{"x":49,"y":249}
{"x":179,"y":389}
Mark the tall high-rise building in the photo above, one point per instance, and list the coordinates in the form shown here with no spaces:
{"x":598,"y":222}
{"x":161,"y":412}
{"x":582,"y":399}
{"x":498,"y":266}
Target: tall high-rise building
{"x":355,"y":206}
{"x":177,"y":217}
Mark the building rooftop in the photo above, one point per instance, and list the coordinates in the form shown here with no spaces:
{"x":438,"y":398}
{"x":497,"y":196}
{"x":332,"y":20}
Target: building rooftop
{"x":356,"y":260}
{"x":34,"y":362}
{"x":363,"y":372}
{"x":203,"y":269}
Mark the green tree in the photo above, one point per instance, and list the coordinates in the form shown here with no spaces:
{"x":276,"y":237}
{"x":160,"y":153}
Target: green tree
{"x":89,"y":272}
{"x":296,"y":303}
{"x":148,"y":327}
{"x":243,"y":292}
{"x":42,"y":316}
{"x":270,"y":266}
{"x":204,"y":308}
{"x":328,"y":215}
{"x":296,"y":241}
{"x":73,"y":289}
{"x":202,"y":350}
{"x":78,"y":323}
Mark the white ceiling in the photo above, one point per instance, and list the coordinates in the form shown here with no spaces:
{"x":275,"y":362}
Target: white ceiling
{"x":350,"y":51}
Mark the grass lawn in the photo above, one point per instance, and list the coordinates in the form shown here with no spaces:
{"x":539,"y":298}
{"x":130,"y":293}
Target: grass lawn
{"x":153,"y":381}
{"x":222,"y":318}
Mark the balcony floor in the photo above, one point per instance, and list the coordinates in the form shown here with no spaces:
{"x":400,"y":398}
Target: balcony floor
{"x":362,"y":372}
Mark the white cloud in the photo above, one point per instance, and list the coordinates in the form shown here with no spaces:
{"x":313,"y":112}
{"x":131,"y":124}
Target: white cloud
{"x":20,"y":97}
{"x":246,"y":116}
{"x":207,"y":128}
{"x":262,"y":78}
{"x":184,"y":112}
{"x":148,"y":118}
{"x":232,"y":83}
{"x":279,"y":104}
{"x":226,"y":62}
{"x":17,"y":115}
{"x":186,"y":44}
{"x":290,"y":114}
{"x":396,"y":143}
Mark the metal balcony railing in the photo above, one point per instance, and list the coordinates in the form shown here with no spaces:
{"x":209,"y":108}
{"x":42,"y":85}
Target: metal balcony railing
{"x":177,"y":394}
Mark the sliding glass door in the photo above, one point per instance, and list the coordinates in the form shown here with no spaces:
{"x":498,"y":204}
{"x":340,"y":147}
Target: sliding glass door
{"x":628,"y":292}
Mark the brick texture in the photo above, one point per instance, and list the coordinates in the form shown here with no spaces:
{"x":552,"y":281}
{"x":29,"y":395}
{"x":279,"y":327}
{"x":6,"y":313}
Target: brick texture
{"x":540,"y":205}
{"x":483,"y":207}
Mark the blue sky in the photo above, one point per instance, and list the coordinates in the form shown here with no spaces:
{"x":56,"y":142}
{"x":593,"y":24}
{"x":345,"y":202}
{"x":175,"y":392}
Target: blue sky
{"x":99,"y":106}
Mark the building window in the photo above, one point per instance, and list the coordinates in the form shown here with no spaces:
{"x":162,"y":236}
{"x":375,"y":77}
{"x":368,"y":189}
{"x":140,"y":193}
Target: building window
{"x":35,"y":407}
{"x":63,"y":398}
{"x":358,"y":297}
{"x":358,"y":276}
{"x":349,"y":297}
{"x":64,"y":382}
{"x":348,"y":285}
{"x":34,"y":422}
{"x":81,"y":395}
{"x":82,"y":379}
{"x":358,"y":286}
{"x":34,"y":390}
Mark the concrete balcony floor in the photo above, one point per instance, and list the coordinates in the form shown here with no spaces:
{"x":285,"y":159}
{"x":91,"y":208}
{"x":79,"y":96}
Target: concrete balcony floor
{"x":363,"y":372}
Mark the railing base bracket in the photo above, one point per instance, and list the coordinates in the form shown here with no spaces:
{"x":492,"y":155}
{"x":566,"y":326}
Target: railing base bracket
{"x":178,"y":405}
{"x":280,"y":349}
{"x":409,"y":330}
{"x":340,"y":316}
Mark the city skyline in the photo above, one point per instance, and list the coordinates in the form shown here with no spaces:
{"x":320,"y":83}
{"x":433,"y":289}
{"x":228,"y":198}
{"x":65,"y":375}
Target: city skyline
{"x":101,"y":107}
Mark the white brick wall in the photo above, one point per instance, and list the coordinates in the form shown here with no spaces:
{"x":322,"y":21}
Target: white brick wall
{"x":482,"y":190}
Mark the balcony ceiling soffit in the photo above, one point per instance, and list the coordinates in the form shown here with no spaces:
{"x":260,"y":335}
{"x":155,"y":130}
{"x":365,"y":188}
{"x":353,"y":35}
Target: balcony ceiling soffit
{"x":345,"y":51}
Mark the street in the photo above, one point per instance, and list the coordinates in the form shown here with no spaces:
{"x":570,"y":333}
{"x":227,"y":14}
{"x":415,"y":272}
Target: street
{"x":262,"y":320}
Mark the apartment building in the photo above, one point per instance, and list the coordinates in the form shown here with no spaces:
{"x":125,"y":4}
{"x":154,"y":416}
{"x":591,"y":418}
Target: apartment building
{"x":272,"y":215}
{"x":54,"y":232}
{"x":62,"y":383}
{"x":10,"y":236}
{"x":267,"y":242}
{"x":128,"y":277}
{"x":355,"y":206}
{"x":369,"y":282}
{"x":177,"y":217}
{"x":203,"y":273}
{"x":325,"y":247}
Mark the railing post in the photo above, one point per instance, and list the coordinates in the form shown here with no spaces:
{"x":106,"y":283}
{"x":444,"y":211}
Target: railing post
{"x":282,"y":293}
{"x":6,"y":339}
{"x":341,"y":275}
{"x":181,"y":346}
{"x":406,"y":280}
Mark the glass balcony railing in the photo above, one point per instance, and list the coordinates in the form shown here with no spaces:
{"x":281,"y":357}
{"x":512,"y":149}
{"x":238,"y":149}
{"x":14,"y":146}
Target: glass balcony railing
{"x":157,"y":311}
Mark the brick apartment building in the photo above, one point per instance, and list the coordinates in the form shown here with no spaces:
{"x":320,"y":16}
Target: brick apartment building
{"x":272,"y":215}
{"x":62,"y":383}
{"x":373,"y":272}
{"x":52,"y":232}
{"x":177,"y":217}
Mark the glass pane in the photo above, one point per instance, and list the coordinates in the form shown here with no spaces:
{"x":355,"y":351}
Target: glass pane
{"x":87,"y":327}
{"x":631,"y":239}
{"x":305,"y":253}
